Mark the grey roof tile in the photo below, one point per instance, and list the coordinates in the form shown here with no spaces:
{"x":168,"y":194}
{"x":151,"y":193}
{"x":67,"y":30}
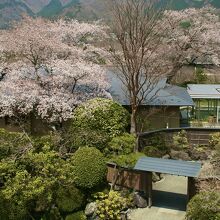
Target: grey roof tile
{"x":160,"y":93}
{"x":204,"y":91}
{"x":168,"y":166}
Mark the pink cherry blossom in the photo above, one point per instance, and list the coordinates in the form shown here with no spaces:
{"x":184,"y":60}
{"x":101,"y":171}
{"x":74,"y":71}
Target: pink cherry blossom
{"x":49,"y":67}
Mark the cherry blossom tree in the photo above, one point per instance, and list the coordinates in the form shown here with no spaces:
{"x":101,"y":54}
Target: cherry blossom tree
{"x":48,"y":68}
{"x":192,"y":36}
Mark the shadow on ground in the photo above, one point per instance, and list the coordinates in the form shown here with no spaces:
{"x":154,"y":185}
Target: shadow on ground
{"x":169,"y":200}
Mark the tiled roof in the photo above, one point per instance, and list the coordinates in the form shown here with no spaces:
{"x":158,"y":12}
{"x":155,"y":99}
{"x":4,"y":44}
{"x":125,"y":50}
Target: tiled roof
{"x":204,"y":91}
{"x":168,"y":166}
{"x":159,"y":94}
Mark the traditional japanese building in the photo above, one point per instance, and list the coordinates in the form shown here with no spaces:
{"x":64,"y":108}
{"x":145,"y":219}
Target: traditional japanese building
{"x":161,"y":107}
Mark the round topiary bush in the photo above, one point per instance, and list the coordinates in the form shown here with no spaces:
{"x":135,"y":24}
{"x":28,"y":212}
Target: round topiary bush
{"x":96,"y":122}
{"x":76,"y":216}
{"x":152,"y":151}
{"x":204,"y":206}
{"x":123,"y":144}
{"x":102,"y":114}
{"x":89,"y":167}
{"x":69,"y":199}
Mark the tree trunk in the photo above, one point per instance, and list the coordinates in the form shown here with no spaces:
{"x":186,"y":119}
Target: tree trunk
{"x":133,"y":129}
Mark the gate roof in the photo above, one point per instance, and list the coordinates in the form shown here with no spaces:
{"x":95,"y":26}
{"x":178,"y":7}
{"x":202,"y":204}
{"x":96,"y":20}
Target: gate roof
{"x":168,"y":166}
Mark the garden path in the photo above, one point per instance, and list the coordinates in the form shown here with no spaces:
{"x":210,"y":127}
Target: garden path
{"x":169,"y":201}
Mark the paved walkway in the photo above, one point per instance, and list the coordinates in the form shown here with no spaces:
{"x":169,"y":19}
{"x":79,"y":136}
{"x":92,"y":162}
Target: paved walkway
{"x":169,"y":201}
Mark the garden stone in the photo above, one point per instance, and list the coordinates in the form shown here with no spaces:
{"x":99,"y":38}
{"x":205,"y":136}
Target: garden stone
{"x":179,"y":155}
{"x":139,"y":200}
{"x":90,"y":209}
{"x":196,"y":154}
{"x":126,"y":215}
{"x":93,"y":217}
{"x":166,"y":156}
{"x":156,"y":177}
{"x":129,"y":214}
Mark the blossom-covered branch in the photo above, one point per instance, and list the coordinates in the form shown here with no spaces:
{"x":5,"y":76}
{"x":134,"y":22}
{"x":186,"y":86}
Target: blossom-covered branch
{"x":49,"y":67}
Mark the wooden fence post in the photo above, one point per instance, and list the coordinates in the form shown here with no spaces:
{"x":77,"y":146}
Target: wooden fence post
{"x":191,"y":188}
{"x":148,"y":187}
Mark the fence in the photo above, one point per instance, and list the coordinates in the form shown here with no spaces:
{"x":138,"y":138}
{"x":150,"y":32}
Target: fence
{"x":125,"y":177}
{"x":196,"y":136}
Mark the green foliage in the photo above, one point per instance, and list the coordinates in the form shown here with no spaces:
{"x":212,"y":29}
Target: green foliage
{"x":128,"y":160}
{"x":11,"y":143}
{"x":36,"y":180}
{"x":96,"y":122}
{"x":214,"y":143}
{"x":89,"y":167}
{"x":214,"y":140}
{"x":156,"y":146}
{"x":180,"y":140}
{"x":152,"y":151}
{"x":123,"y":144}
{"x":157,"y":141}
{"x":29,"y":182}
{"x":111,"y":204}
{"x":12,"y":211}
{"x":204,"y":206}
{"x":47,"y":141}
{"x":200,"y":76}
{"x":76,"y":216}
{"x":102,"y":114}
{"x":54,"y":214}
{"x":69,"y":199}
{"x":77,"y":137}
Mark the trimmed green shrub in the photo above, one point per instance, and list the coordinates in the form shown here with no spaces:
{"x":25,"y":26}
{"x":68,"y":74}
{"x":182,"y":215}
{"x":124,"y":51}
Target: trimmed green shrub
{"x":180,"y":140}
{"x":76,"y":137}
{"x":152,"y":151}
{"x":89,"y":167}
{"x":69,"y":199}
{"x":102,"y":114}
{"x":96,"y":122}
{"x":14,"y":142}
{"x":214,"y":139}
{"x":128,"y":160}
{"x":76,"y":216}
{"x":158,"y":141}
{"x":123,"y":144}
{"x":204,"y":206}
{"x":156,"y":146}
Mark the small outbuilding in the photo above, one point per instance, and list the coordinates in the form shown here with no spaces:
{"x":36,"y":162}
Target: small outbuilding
{"x":207,"y":102}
